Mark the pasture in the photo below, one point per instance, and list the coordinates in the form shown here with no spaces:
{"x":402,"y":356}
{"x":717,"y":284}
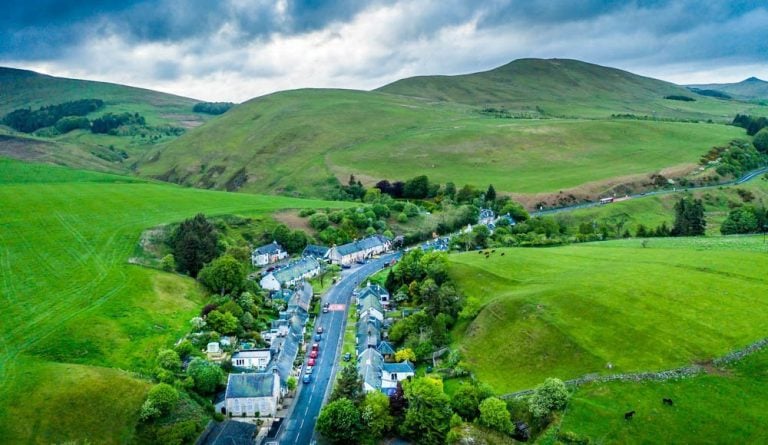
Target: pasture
{"x":78,"y":321}
{"x":568,"y":311}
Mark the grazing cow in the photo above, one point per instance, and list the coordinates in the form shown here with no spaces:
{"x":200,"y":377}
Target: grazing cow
{"x":480,"y":252}
{"x":493,"y":251}
{"x":629,"y":415}
{"x":668,"y":402}
{"x":502,"y":253}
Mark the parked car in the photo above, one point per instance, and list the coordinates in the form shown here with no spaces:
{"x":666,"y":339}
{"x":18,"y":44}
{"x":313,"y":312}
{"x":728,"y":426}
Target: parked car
{"x":307,"y":378}
{"x":319,"y":329}
{"x":347,"y":357}
{"x":308,"y":370}
{"x":318,"y":337}
{"x":326,"y":308}
{"x":346,"y":266}
{"x":315,"y":346}
{"x":313,"y":354}
{"x":311,"y":362}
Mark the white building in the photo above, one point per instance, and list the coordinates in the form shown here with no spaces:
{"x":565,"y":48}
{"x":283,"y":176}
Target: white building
{"x":268,"y":254}
{"x":359,"y":250}
{"x":252,"y":393}
{"x":291,"y":274}
{"x":371,"y":306}
{"x":256,"y":359}
{"x":391,"y":373}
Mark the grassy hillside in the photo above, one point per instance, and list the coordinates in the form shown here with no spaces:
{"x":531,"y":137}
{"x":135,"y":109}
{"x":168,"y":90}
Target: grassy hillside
{"x":562,"y":87}
{"x":748,"y":89}
{"x":27,"y":89}
{"x":725,"y":406}
{"x":300,"y":141}
{"x":569,"y":311}
{"x":77,"y":318}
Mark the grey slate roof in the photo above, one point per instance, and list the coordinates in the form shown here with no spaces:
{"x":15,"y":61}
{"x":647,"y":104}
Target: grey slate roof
{"x":258,"y":384}
{"x":369,"y":365}
{"x":368,"y":333}
{"x":365,"y":243}
{"x":249,"y":353}
{"x":289,"y":348}
{"x":386,"y":348}
{"x":271,"y":248}
{"x":370,"y":301}
{"x":373,"y":289}
{"x":295,"y":269}
{"x":403,"y":367}
{"x":315,"y":251}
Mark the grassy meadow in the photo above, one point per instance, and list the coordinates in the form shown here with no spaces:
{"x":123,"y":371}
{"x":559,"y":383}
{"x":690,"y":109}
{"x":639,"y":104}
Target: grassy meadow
{"x":724,"y":406}
{"x":569,"y":311}
{"x":78,"y":320}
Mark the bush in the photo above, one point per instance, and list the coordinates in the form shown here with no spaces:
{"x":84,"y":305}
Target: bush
{"x":549,"y":396}
{"x":169,"y":359}
{"x":761,"y":140}
{"x":402,"y":218}
{"x":494,"y":415}
{"x":69,"y":123}
{"x":163,"y":397}
{"x":319,"y":221}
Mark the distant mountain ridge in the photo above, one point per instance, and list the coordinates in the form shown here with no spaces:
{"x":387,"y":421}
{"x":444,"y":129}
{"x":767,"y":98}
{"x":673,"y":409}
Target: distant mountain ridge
{"x":751,"y":88}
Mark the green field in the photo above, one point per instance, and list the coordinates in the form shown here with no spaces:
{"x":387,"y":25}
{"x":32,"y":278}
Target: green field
{"x":724,"y":406}
{"x":310,"y":137}
{"x":77,"y":319}
{"x":569,"y":311}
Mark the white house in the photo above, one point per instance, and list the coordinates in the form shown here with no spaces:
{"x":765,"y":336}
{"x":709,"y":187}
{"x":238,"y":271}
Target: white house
{"x":374,"y":289}
{"x":257,"y":359}
{"x":359,"y":250}
{"x":486,"y":217}
{"x":252,"y":393}
{"x":391,"y":373}
{"x":268,"y":254}
{"x":371,"y":306}
{"x":291,"y":274}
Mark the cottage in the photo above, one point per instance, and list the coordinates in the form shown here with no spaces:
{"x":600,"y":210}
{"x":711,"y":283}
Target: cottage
{"x":486,"y":217}
{"x":370,"y":305}
{"x":391,"y":373}
{"x":374,"y":289}
{"x":291,"y":274}
{"x":268,"y":254}
{"x":252,"y":394}
{"x":359,"y":250}
{"x":252,"y":359}
{"x":369,"y":366}
{"x":368,"y":333}
{"x":386,"y":350}
{"x":315,"y":251}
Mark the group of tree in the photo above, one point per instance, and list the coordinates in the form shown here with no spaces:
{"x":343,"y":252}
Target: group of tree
{"x":745,"y":219}
{"x":27,"y":121}
{"x":689,"y":218}
{"x":194,"y":244}
{"x":680,"y":97}
{"x":753,"y":124}
{"x":214,"y":108}
{"x":111,"y":121}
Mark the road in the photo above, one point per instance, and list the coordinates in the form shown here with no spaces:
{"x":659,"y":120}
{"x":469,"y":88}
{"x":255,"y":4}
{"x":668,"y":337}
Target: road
{"x":299,"y":428}
{"x":746,"y":177}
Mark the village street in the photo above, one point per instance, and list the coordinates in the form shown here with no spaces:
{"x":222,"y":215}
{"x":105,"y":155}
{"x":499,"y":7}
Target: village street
{"x":299,"y":427}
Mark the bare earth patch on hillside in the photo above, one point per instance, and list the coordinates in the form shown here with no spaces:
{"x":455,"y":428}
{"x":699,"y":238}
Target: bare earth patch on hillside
{"x":292,"y":219}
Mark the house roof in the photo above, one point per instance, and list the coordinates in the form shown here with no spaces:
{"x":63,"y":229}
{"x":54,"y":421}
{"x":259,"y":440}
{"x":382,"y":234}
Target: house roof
{"x":271,"y":248}
{"x":251,"y":353}
{"x":313,"y":250}
{"x":373,"y":289}
{"x":402,"y":367}
{"x":368,"y":332}
{"x":301,"y":298}
{"x":386,"y":348}
{"x":369,"y":365}
{"x":363,"y":244}
{"x":370,"y":301}
{"x":289,"y":348}
{"x":258,"y":384}
{"x":295,"y":269}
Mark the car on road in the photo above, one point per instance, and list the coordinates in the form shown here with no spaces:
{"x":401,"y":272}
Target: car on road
{"x":315,"y":346}
{"x":319,"y":329}
{"x":347,"y":357}
{"x":307,"y":378}
{"x":346,"y":266}
{"x":313,"y":354}
{"x":308,"y":370}
{"x":318,"y":337}
{"x":326,"y":308}
{"x":311,"y":362}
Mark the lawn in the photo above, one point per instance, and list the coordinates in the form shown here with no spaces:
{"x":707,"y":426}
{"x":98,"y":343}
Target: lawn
{"x":77,"y":318}
{"x":727,"y":406}
{"x":569,"y":311}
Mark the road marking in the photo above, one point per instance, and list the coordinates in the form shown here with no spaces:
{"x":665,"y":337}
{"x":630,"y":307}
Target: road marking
{"x":337,"y":307}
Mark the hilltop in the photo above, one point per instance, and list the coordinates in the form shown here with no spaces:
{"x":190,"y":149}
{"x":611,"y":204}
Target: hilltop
{"x":165,"y":117}
{"x":500,"y":127}
{"x":748,"y":89}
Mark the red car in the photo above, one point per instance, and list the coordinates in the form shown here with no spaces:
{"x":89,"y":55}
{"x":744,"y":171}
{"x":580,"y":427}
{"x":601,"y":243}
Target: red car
{"x":311,"y":362}
{"x":313,"y":354}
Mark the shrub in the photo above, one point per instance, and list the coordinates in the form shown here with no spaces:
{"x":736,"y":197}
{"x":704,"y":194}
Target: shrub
{"x":494,"y":415}
{"x":169,"y":359}
{"x":163,"y":397}
{"x":549,"y":396}
{"x":761,"y":140}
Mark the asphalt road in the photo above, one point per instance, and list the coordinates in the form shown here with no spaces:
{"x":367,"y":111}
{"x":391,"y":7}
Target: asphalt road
{"x":299,"y":428}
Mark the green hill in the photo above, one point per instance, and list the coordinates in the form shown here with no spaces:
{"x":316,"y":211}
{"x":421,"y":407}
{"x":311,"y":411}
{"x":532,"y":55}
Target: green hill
{"x":79,"y":323}
{"x":166,"y":115}
{"x":569,"y":311}
{"x":562,"y":87}
{"x":748,"y":89}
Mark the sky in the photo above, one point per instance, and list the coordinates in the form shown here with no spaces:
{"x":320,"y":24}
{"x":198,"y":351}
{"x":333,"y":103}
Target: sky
{"x":233,"y":50}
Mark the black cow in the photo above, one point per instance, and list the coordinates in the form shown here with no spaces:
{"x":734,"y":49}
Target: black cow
{"x":668,"y":402}
{"x":502,"y":253}
{"x":629,"y":415}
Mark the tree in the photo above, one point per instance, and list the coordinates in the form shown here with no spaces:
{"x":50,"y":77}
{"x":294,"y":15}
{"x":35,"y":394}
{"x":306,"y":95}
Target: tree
{"x":339,"y":422}
{"x":761,"y":140}
{"x":397,"y":402}
{"x":516,"y":211}
{"x":194,"y":244}
{"x":163,"y":397}
{"x":224,"y":275}
{"x":405,"y":354}
{"x":169,"y":359}
{"x":494,"y":415}
{"x":740,"y":220}
{"x":689,"y":218}
{"x":291,"y":383}
{"x":465,"y":402}
{"x":349,"y":386}
{"x":427,"y":419}
{"x":168,"y":263}
{"x":222,"y":322}
{"x":319,"y":221}
{"x":205,"y":374}
{"x":490,"y":194}
{"x":376,"y":414}
{"x":416,"y":188}
{"x":550,"y":395}
{"x":450,"y":190}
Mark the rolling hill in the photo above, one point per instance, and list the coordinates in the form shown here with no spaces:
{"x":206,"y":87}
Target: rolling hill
{"x":79,"y":323}
{"x":304,"y":142}
{"x":748,"y":89}
{"x":81,"y":148}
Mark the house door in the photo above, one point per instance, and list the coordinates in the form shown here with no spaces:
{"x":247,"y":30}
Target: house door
{"x":223,"y":409}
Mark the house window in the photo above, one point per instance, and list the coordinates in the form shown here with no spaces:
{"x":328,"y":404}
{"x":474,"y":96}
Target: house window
{"x":393,"y":377}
